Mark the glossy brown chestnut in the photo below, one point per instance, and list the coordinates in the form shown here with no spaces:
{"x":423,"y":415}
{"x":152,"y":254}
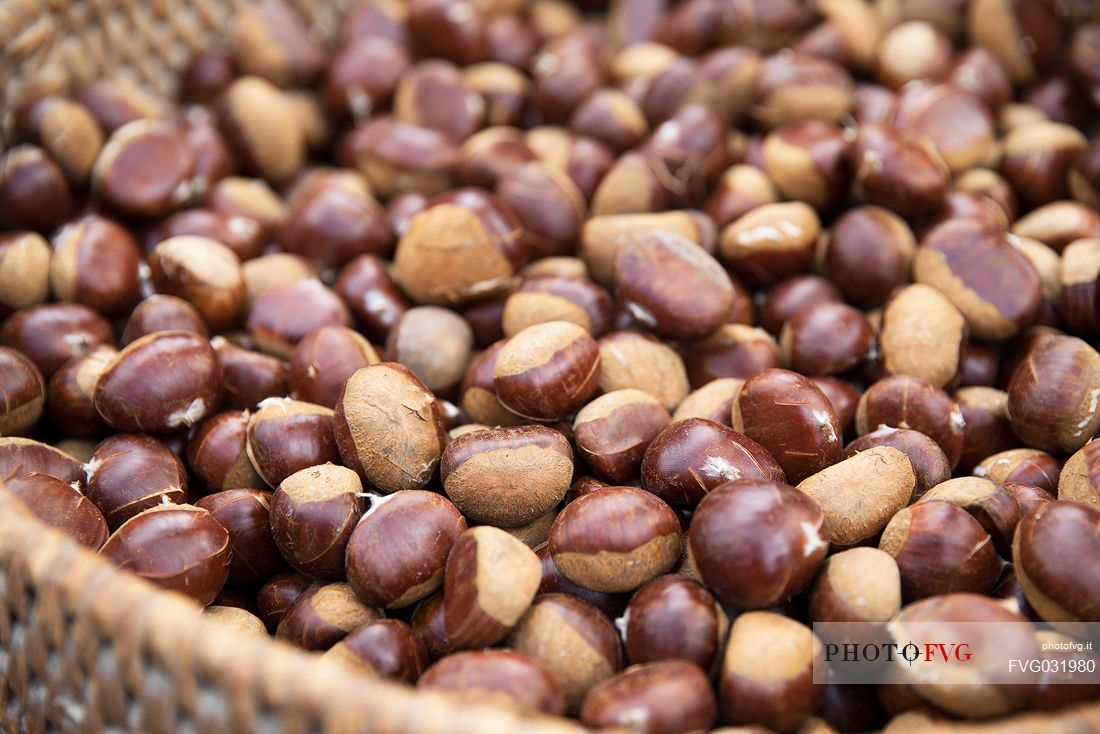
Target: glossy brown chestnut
{"x":1024,"y":466}
{"x":906,"y":402}
{"x":283,"y":316}
{"x":547,"y":370}
{"x":674,"y":618}
{"x":52,"y":333}
{"x":770,"y":242}
{"x":824,"y":339}
{"x":128,"y":474}
{"x":271,"y":39}
{"x":26,"y":456}
{"x":313,"y":514}
{"x":657,"y":698}
{"x":898,"y":168}
{"x":323,"y":615}
{"x":1047,"y":550}
{"x":694,"y":456}
{"x":372,"y":295}
{"x":399,"y":158}
{"x":362,"y":75}
{"x":501,"y":676}
{"x":278,"y":595}
{"x":773,"y":689}
{"x":178,"y":547}
{"x":869,"y":253}
{"x":34,"y":193}
{"x":60,"y":506}
{"x":333,"y":222}
{"x":738,"y":190}
{"x":757,"y":542}
{"x":203,"y":272}
{"x":615,"y":556}
{"x":1080,"y":477}
{"x":988,"y":430}
{"x":162,"y":313}
{"x":388,"y":648}
{"x":389,"y":427}
{"x":324,"y":360}
{"x":145,"y":169}
{"x":285,"y":436}
{"x":507,"y":476}
{"x":940,"y":548}
{"x":391,"y":574}
{"x":1051,"y":395}
{"x":250,"y":377}
{"x":245,"y":514}
{"x":1037,"y":157}
{"x":614,"y":430}
{"x":22,"y":393}
{"x":791,"y":418}
{"x":995,"y":508}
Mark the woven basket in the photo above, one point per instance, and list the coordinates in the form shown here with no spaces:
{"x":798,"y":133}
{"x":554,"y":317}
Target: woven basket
{"x":87,"y":648}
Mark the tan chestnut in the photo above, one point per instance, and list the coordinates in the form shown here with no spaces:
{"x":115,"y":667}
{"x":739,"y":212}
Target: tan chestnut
{"x":632,"y":359}
{"x":313,"y":514}
{"x":929,"y":463}
{"x":24,"y":270}
{"x":613,"y":431}
{"x":547,"y":370}
{"x":856,"y":585}
{"x":242,"y":622}
{"x":1080,"y":477}
{"x":922,"y":334}
{"x":395,"y":574}
{"x":178,"y":547}
{"x":322,"y":615}
{"x":601,"y":234}
{"x":577,"y":643}
{"x":556,"y":297}
{"x":860,"y":494}
{"x":275,"y":152}
{"x":203,"y":272}
{"x":767,"y":672}
{"x":489,"y":582}
{"x":712,"y":401}
{"x":434,"y":343}
{"x":643,"y":543}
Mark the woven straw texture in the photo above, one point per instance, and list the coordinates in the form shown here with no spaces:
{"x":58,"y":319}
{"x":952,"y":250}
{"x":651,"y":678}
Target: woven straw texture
{"x":87,"y":648}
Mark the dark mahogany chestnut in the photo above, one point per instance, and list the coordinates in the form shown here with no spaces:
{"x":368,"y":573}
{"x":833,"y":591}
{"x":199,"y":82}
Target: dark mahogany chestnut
{"x":674,"y":618}
{"x":694,"y":456}
{"x":246,"y":516}
{"x":52,"y":333}
{"x":613,"y":432}
{"x":388,"y":648}
{"x":396,"y":553}
{"x":59,"y":505}
{"x":1048,"y":551}
{"x":285,"y":436}
{"x":323,"y":615}
{"x":128,"y":474}
{"x":757,"y":542}
{"x":279,"y":594}
{"x":218,"y":453}
{"x":547,"y":370}
{"x":323,"y":361}
{"x":178,"y":547}
{"x":23,"y":392}
{"x":907,"y":402}
{"x":313,"y":514}
{"x":496,"y":675}
{"x":659,"y":698}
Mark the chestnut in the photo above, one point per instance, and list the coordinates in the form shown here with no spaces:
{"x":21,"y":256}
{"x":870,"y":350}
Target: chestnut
{"x":995,"y":508}
{"x":657,"y":698}
{"x":632,"y":359}
{"x":67,"y":130}
{"x":694,"y":456}
{"x":795,"y":87}
{"x":203,"y":272}
{"x":924,"y":335}
{"x":389,"y":427}
{"x":869,"y":254}
{"x":162,"y":313}
{"x":61,"y":506}
{"x":1051,"y":392}
{"x":275,"y":152}
{"x":69,"y":401}
{"x":388,"y":648}
{"x":400,"y":158}
{"x":1037,"y":157}
{"x":770,"y":242}
{"x":906,"y":402}
{"x":362,"y":75}
{"x":791,"y":418}
{"x":285,"y":436}
{"x":481,"y":247}
{"x":507,"y":476}
{"x":576,"y":643}
{"x":549,"y":206}
{"x":51,"y":333}
{"x":643,"y":543}
{"x":434,"y":343}
{"x":613,"y":431}
{"x":701,"y":299}
{"x":767,"y":674}
{"x":34,"y":193}
{"x":323,"y":361}
{"x":556,"y":297}
{"x":281,"y":317}
{"x":740,"y":189}
{"x":940,"y":548}
{"x":163,"y":381}
{"x":372,"y":295}
{"x":674,"y":618}
{"x":145,"y":169}
{"x":898,"y":168}
{"x":478,"y":394}
{"x":857,"y":585}
{"x":24,"y":270}
{"x":313,"y":514}
{"x":861,"y":493}
{"x":547,"y":370}
{"x":957,"y":122}
{"x":488,"y":583}
{"x":502,"y":676}
{"x":1060,"y":590}
{"x":322,"y":615}
{"x":713,"y":401}
{"x":1025,"y":466}
{"x":249,"y":197}
{"x":912,"y":50}
{"x":178,"y":547}
{"x":988,"y":430}
{"x":250,"y":377}
{"x":241,"y":621}
{"x":1080,"y":478}
{"x":26,"y":456}
{"x":128,"y":474}
{"x":391,"y":576}
{"x":601,"y":234}
{"x":490,"y":153}
{"x":333,"y":221}
{"x":827,"y":338}
{"x":807,"y":162}
{"x":929,"y":463}
{"x":278,"y":594}
{"x":24,"y":393}
{"x":757,"y":542}
{"x":245,"y":515}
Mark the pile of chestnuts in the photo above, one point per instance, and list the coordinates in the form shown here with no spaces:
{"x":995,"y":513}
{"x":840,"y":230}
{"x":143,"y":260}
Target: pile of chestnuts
{"x":578,"y":358}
